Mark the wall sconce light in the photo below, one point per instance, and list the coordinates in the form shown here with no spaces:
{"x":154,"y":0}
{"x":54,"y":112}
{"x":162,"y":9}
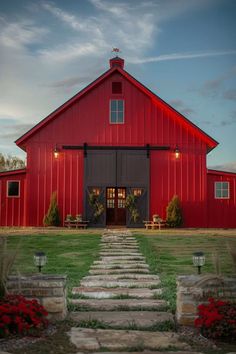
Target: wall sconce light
{"x":177,"y":153}
{"x":198,"y":260}
{"x":56,"y":152}
{"x":40,"y":259}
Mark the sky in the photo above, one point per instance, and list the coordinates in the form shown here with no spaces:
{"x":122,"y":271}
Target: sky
{"x":183,"y":50}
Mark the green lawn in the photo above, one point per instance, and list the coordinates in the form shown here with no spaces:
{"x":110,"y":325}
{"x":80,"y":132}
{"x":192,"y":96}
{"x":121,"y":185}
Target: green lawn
{"x":71,"y":254}
{"x":169,"y":253}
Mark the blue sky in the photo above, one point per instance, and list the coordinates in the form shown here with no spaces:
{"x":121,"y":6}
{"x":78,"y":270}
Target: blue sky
{"x":183,"y":50}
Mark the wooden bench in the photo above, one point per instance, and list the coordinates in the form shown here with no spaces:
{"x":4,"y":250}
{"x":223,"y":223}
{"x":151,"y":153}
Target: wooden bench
{"x":77,"y":224}
{"x":151,"y":225}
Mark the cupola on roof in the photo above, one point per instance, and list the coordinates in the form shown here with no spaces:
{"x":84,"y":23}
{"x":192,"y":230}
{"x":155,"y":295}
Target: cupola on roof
{"x":117,"y":61}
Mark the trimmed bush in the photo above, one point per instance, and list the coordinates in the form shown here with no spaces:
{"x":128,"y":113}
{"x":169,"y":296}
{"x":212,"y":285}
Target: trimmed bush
{"x":174,"y":213}
{"x":52,"y":218}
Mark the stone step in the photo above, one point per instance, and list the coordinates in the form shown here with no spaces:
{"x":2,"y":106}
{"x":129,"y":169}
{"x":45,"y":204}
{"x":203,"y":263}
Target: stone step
{"x":144,"y":277}
{"x":115,"y":246}
{"x":125,"y":319}
{"x":100,"y":271}
{"x":109,"y":254}
{"x":107,"y":293}
{"x":120,"y":262}
{"x":146,"y":352}
{"x":126,"y":265}
{"x":120,"y":283}
{"x":122,"y":258}
{"x":127,"y":304}
{"x":95,"y":339}
{"x":119,"y":241}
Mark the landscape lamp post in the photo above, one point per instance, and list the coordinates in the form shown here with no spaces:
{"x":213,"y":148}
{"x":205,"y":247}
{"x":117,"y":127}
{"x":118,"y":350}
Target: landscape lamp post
{"x":40,"y":259}
{"x":198,"y":260}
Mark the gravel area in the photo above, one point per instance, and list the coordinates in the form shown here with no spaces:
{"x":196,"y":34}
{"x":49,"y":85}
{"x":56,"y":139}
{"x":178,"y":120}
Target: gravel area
{"x":21,"y":342}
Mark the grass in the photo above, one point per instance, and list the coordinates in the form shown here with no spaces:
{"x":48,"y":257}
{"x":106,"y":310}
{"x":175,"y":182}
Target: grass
{"x":69,"y":254}
{"x":169,"y":253}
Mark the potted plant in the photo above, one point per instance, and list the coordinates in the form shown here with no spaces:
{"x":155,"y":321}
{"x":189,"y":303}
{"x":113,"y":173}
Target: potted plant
{"x":156,"y":218}
{"x":78,"y":217}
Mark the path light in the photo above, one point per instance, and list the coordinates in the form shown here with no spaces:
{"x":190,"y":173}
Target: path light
{"x":198,"y":260}
{"x":40,"y":259}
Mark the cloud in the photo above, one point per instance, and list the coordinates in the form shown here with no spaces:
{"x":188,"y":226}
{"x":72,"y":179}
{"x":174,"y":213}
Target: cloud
{"x":228,"y":167}
{"x":230,"y":94}
{"x":181,"y":56}
{"x":214,"y":88}
{"x":230,"y":121}
{"x":181,"y":107}
{"x":20,"y":34}
{"x":13,"y":131}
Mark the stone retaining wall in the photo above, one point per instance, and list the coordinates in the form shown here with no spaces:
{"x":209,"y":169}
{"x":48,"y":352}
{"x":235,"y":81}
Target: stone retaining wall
{"x":195,"y":289}
{"x":49,"y":290}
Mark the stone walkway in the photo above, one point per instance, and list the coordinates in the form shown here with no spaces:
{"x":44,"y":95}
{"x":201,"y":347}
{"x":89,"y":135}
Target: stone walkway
{"x":118,"y":305}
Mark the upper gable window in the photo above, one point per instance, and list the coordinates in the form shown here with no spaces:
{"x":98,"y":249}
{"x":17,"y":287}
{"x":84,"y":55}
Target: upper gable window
{"x":116,"y":111}
{"x":221,"y":190}
{"x":13,"y":188}
{"x":116,"y":87}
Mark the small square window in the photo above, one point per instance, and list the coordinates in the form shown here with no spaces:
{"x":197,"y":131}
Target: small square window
{"x":116,"y":87}
{"x":117,"y":111}
{"x":137,"y":192}
{"x":221,"y":190}
{"x":13,"y":188}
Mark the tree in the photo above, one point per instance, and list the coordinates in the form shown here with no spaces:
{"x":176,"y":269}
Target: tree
{"x":174,"y":216}
{"x":52,"y":218}
{"x":9,"y":162}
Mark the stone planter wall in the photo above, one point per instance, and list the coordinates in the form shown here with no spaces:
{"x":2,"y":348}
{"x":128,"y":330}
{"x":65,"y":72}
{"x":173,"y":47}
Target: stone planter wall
{"x":49,"y":290}
{"x":193,"y":290}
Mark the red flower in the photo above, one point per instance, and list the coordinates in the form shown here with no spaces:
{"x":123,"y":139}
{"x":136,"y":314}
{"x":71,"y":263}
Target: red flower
{"x":19,"y":315}
{"x":6,"y":319}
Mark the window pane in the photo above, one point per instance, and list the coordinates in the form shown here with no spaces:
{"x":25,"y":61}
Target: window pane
{"x":121,"y":203}
{"x":120,"y":105}
{"x":113,"y":117}
{"x":113,"y":105}
{"x":120,"y":117}
{"x":13,"y":189}
{"x":218,"y":193}
{"x":110,"y":203}
{"x":225,"y":193}
{"x":225,"y":185}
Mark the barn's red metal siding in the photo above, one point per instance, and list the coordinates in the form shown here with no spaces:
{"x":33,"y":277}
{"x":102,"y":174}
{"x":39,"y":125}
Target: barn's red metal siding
{"x":221,"y":212}
{"x":12,"y":209}
{"x":146,"y":122}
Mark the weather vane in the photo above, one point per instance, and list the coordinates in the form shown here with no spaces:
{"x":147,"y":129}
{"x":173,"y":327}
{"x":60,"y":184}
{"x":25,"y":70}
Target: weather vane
{"x":116,"y":50}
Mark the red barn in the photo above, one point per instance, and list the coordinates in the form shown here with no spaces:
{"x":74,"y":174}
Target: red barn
{"x":112,"y":140}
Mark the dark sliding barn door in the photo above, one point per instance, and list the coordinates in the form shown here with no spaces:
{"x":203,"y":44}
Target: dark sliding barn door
{"x":112,"y":175}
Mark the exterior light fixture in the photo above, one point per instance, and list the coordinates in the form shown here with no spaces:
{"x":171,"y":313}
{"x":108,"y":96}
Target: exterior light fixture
{"x":56,"y":152}
{"x":198,"y":260}
{"x":40,"y":259}
{"x":177,"y":153}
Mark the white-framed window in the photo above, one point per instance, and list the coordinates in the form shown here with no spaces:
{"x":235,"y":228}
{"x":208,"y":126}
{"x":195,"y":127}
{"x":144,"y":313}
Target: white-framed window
{"x":116,"y":111}
{"x":13,"y":189}
{"x":221,"y":190}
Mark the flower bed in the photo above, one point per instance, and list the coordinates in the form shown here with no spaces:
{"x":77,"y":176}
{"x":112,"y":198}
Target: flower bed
{"x":21,"y":316}
{"x":217,"y":319}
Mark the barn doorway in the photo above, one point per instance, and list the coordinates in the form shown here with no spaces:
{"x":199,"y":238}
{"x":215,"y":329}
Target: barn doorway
{"x":115,"y":206}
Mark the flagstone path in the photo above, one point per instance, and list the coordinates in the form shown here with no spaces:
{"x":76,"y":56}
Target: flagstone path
{"x":118,"y":309}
